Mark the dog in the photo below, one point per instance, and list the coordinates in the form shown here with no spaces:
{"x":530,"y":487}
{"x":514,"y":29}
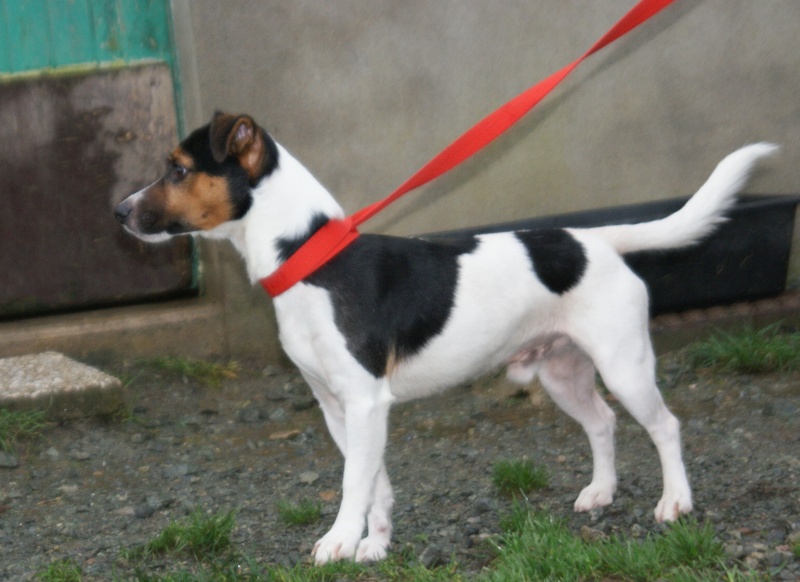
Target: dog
{"x":391,"y":319}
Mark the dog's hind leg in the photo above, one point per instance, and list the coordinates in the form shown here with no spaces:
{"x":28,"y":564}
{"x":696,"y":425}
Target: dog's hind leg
{"x":632,"y":381}
{"x":568,"y":376}
{"x":624,"y":356}
{"x":611,"y":327}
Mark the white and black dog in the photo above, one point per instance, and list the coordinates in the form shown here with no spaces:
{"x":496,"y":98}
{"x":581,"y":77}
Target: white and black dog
{"x":390,"y":319}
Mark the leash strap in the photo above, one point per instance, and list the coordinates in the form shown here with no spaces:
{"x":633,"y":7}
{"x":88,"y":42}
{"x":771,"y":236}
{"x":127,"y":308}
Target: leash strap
{"x":336,"y":235}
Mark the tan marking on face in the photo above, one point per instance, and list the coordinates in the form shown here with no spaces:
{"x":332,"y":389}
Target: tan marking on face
{"x":201,"y":201}
{"x":180,"y":157}
{"x":198,"y":201}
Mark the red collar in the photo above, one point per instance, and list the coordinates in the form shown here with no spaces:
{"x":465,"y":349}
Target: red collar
{"x":336,"y":235}
{"x":323,"y":245}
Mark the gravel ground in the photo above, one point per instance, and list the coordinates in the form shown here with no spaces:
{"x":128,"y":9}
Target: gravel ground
{"x":88,"y":488}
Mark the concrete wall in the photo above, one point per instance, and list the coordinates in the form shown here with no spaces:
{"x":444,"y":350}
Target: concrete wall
{"x":366,"y":92}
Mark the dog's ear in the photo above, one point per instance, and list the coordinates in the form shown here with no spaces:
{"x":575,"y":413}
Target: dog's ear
{"x":238,"y":136}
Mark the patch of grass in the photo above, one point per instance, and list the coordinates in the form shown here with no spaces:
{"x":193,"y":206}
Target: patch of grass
{"x":722,"y":573}
{"x":392,"y":569}
{"x":684,"y":545}
{"x":65,"y":570}
{"x":537,"y":547}
{"x":200,"y":535}
{"x":209,"y":373}
{"x":400,"y":566}
{"x":296,"y":514}
{"x":217,"y":560}
{"x":512,"y":477}
{"x":128,"y":378}
{"x":16,"y":425}
{"x":533,"y":547}
{"x":769,"y":349}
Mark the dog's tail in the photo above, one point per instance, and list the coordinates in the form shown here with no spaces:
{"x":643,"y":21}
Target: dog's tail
{"x":700,"y":216}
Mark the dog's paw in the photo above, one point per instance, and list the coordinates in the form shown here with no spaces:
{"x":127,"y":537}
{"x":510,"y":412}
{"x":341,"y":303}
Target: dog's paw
{"x":371,"y":549}
{"x":594,"y":496}
{"x":672,"y":506}
{"x":335,"y":546}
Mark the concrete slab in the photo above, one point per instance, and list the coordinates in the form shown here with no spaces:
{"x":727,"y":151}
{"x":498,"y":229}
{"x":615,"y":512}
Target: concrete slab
{"x":64,"y":387}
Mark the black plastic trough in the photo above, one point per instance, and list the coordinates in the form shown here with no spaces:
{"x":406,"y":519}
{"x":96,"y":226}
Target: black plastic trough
{"x":746,"y":259}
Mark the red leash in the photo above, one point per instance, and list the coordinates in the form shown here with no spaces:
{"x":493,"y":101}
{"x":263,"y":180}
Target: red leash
{"x":336,"y":235}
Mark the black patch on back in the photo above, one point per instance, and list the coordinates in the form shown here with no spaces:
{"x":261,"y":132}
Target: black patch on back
{"x":198,"y":145}
{"x":557,"y":258}
{"x":391,"y":294}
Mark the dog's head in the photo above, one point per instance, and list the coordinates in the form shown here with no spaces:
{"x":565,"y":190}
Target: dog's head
{"x":208,"y":180}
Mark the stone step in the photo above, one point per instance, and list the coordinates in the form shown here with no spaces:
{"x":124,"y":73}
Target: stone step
{"x":60,"y":385}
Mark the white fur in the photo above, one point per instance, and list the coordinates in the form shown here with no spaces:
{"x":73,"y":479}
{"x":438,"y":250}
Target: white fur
{"x":502,"y":314}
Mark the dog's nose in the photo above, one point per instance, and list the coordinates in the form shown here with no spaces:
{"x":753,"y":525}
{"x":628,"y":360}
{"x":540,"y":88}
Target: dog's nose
{"x":123,"y":211}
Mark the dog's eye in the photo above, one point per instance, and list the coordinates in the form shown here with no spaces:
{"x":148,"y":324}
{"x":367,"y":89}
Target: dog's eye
{"x":177,"y":172}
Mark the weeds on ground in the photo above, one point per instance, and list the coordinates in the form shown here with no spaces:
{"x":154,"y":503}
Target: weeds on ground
{"x":398,"y":567}
{"x":533,"y":547}
{"x":513,"y":477}
{"x":221,"y":562}
{"x":199,"y":535}
{"x":16,"y":425}
{"x":296,"y":514}
{"x":538,"y":547}
{"x":65,"y":570}
{"x":770,"y":349}
{"x":211,"y":374}
{"x":401,"y":566}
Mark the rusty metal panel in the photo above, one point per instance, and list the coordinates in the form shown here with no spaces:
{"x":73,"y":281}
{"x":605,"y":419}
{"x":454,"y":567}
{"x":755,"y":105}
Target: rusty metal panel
{"x":73,"y":146}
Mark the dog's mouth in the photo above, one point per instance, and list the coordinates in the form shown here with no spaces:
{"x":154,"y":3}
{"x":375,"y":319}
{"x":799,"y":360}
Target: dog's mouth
{"x":149,"y":237}
{"x":147,"y":224}
{"x":176,"y":228}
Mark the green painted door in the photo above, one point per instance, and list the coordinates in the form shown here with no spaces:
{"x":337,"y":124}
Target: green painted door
{"x":88,"y":94}
{"x":50,"y":34}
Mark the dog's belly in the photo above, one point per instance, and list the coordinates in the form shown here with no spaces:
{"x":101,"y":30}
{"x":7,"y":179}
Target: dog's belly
{"x":430,"y":373}
{"x":502,"y":314}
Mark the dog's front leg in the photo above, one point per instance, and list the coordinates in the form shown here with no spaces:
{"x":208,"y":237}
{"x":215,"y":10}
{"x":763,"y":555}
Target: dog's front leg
{"x":379,"y":521}
{"x":366,"y":412}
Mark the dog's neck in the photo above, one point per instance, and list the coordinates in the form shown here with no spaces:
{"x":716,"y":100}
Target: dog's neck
{"x":286,"y":205}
